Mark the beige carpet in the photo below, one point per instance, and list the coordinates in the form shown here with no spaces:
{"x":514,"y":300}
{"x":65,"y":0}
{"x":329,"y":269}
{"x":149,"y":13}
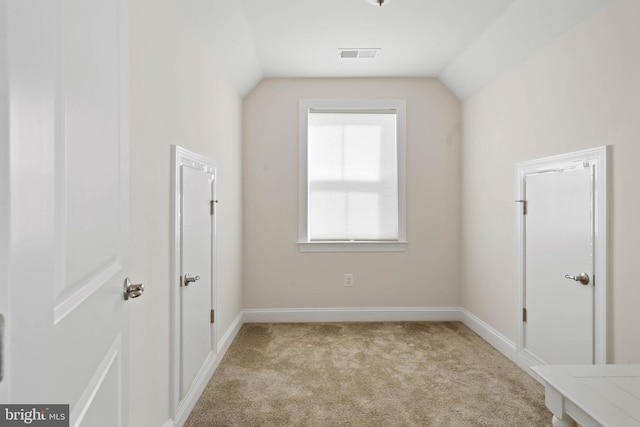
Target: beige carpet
{"x":367,"y":374}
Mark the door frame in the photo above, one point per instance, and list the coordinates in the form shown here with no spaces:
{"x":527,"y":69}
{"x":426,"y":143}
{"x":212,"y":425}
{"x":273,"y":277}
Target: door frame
{"x":598,"y":158}
{"x":180,"y":409}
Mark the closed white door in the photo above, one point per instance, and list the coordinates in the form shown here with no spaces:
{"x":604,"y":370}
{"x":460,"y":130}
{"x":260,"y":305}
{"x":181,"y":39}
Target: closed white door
{"x":69,"y":208}
{"x":559,"y":327}
{"x":197,"y":273}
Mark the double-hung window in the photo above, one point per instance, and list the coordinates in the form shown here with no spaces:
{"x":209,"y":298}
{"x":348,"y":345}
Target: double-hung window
{"x":351,"y":175}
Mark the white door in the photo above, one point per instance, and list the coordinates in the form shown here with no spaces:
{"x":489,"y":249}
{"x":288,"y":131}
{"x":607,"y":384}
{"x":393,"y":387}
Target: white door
{"x":193,"y":269}
{"x":196,"y":290}
{"x":69,"y":209}
{"x":559,"y":327}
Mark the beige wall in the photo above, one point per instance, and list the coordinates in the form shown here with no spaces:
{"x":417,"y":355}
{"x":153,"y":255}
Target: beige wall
{"x":581,"y":91}
{"x":276,"y":275}
{"x":177,"y":96}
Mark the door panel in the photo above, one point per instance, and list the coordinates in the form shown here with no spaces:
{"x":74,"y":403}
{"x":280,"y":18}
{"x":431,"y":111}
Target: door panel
{"x":101,"y":396}
{"x":69,"y":207}
{"x":559,"y":241}
{"x":86,"y":125}
{"x":196,"y":301}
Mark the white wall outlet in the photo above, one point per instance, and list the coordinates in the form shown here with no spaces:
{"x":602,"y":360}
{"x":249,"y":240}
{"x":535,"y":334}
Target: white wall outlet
{"x":348,"y":279}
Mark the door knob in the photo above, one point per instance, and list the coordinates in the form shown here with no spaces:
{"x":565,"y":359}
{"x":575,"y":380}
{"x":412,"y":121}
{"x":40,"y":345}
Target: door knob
{"x":188,"y":279}
{"x":582,"y":278}
{"x":132,"y":290}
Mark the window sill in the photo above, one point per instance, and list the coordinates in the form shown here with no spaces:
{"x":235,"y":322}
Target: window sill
{"x":379,"y":246}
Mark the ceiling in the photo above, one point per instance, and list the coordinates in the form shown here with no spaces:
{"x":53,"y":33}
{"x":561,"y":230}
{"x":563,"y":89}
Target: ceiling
{"x":417,"y":37}
{"x":464,"y":43}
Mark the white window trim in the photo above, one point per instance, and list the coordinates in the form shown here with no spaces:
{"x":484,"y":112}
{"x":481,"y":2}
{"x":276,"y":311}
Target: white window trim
{"x":304,"y":106}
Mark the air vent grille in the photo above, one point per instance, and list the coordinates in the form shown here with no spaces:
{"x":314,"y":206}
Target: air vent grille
{"x":349,"y":54}
{"x":358,"y":52}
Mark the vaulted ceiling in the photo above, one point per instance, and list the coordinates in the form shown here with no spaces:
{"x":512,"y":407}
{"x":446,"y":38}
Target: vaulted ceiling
{"x":464,"y":43}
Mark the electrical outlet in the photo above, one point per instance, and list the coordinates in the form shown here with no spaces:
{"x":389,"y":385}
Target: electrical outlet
{"x":348,"y":279}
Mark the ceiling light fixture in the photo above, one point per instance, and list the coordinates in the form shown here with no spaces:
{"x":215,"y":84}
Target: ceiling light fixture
{"x":379,"y":2}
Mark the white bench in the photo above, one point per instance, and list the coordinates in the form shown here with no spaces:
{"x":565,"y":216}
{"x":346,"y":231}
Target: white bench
{"x":592,"y":395}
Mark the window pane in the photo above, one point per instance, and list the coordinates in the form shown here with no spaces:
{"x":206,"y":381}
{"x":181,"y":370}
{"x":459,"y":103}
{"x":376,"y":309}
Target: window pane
{"x":363,"y":216}
{"x":362,"y":150}
{"x":325,"y":149}
{"x":352,"y":176}
{"x":328,"y":221}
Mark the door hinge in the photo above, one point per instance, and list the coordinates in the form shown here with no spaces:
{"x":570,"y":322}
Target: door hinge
{"x":213,"y":317}
{"x":524,"y":314}
{"x":524,"y":206}
{"x":212,"y":206}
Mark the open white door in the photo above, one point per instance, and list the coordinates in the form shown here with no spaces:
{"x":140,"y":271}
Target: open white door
{"x":69,"y":209}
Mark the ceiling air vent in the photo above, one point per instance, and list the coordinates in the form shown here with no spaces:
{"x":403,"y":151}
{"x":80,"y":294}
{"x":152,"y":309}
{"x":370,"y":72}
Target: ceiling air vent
{"x":358,"y":52}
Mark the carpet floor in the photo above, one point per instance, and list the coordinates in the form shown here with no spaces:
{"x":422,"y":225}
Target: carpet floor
{"x":367,"y":374}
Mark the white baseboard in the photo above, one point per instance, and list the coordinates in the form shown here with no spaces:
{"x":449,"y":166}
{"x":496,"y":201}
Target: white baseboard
{"x":351,"y":315}
{"x":230,"y":335}
{"x":194,"y":393}
{"x":489,"y":334}
{"x":501,"y":343}
{"x":526,"y":360}
{"x":207,"y":370}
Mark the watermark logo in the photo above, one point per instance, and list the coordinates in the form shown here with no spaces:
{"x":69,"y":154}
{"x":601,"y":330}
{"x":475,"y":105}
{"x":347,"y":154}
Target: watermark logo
{"x":34,"y":415}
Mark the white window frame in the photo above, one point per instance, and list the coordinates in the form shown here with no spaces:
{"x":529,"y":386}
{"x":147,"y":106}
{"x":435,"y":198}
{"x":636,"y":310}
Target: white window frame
{"x":364,"y":105}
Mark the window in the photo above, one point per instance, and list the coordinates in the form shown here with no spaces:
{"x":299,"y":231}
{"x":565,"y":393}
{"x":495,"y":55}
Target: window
{"x":351,"y":184}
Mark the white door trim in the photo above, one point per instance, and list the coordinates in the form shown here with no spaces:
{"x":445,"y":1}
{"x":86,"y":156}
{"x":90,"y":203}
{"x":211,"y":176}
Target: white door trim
{"x":180,"y":409}
{"x":598,"y":158}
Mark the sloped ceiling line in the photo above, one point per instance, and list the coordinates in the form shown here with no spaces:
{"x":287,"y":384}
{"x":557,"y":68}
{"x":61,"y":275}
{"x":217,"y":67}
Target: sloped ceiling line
{"x":465,"y":43}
